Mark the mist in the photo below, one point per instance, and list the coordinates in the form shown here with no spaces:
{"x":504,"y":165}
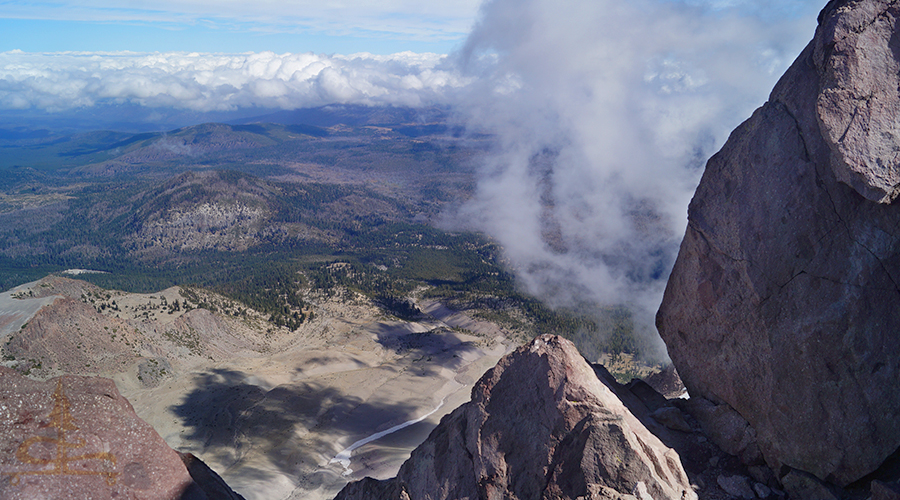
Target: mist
{"x":605,"y":113}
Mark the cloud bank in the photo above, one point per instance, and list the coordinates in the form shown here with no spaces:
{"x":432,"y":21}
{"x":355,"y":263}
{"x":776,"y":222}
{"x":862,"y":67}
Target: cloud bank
{"x":605,"y":112}
{"x":221,"y":82}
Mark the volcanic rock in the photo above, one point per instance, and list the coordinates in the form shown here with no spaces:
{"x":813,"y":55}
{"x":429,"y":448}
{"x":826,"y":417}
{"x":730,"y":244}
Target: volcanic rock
{"x":206,"y":479}
{"x":672,"y":418}
{"x":736,"y":487}
{"x":76,"y":437}
{"x":885,"y":491}
{"x":782,"y":303}
{"x":540,"y":425}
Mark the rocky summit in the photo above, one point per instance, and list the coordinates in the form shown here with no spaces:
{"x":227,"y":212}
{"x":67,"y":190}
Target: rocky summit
{"x":540,"y":425}
{"x":76,"y":437}
{"x":782,"y":305}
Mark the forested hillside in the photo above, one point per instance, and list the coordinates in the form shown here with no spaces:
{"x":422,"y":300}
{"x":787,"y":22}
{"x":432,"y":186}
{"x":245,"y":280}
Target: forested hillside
{"x":266,"y":213}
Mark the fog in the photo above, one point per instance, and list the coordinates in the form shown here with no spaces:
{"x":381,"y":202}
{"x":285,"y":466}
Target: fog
{"x":605,"y":113}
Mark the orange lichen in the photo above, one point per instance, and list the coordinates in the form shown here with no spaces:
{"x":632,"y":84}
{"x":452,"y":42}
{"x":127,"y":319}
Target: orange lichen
{"x":61,"y":419}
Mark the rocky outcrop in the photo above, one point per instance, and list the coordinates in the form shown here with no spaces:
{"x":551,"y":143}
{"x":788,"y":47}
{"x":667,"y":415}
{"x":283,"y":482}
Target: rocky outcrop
{"x":782,"y":303}
{"x":856,"y":57}
{"x":540,"y":424}
{"x":76,"y":437}
{"x":207,"y":480}
{"x":232,"y":226}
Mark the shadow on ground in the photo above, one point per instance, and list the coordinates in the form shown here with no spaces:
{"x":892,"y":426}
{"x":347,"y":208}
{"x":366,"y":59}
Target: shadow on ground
{"x":287,"y":430}
{"x":441,"y":342}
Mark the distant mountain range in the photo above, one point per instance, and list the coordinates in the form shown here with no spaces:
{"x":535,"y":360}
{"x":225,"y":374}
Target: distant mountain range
{"x":25,"y":124}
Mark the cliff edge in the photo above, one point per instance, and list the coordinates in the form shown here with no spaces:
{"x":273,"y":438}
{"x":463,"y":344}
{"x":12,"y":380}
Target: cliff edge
{"x":783,"y":301}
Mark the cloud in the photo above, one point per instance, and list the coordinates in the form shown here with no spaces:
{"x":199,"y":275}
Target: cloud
{"x":221,"y":82}
{"x":605,"y":112}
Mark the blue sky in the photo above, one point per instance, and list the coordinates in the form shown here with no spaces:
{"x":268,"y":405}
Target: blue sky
{"x":224,"y":55}
{"x":325,"y":27}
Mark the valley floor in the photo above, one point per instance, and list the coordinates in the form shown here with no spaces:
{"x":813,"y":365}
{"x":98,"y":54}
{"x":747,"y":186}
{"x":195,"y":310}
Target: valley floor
{"x":268,"y":410}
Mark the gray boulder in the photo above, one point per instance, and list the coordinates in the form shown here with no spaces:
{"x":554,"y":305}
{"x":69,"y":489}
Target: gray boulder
{"x":540,"y":425}
{"x":784,"y":301}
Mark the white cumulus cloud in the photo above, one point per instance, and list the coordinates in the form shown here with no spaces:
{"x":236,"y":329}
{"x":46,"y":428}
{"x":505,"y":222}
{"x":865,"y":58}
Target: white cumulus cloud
{"x":222,"y":82}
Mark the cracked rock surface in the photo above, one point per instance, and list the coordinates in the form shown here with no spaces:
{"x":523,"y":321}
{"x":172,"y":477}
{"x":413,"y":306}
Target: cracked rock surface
{"x":783,"y":302}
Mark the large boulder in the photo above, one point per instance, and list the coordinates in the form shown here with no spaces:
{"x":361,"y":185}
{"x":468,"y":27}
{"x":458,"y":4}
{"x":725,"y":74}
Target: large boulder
{"x":77,"y":437}
{"x":540,"y":425}
{"x":784,"y":302}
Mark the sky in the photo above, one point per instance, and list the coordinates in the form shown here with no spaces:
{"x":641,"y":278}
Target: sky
{"x":227,"y":55}
{"x":327,"y":27}
{"x":604,"y":111}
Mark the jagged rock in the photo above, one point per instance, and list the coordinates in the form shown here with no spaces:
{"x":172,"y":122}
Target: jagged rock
{"x":666,"y":382}
{"x":799,"y":484}
{"x":782,"y":303}
{"x":652,"y":399}
{"x":858,"y":103}
{"x":540,"y":425}
{"x":207,"y":480}
{"x":672,"y":418}
{"x":76,"y":437}
{"x":885,"y":491}
{"x":725,"y":427}
{"x":762,"y":491}
{"x":762,"y":474}
{"x":736,"y":487}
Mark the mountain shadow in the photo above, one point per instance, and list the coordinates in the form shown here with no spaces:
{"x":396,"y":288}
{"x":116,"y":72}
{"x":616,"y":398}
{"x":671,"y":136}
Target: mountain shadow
{"x":233,"y":419}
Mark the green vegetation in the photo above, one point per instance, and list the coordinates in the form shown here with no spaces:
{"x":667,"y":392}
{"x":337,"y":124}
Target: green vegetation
{"x":228,"y":209}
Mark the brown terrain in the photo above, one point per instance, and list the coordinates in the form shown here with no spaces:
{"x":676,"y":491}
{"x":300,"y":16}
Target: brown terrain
{"x":77,"y":437}
{"x":780,"y":316}
{"x":266,"y":408}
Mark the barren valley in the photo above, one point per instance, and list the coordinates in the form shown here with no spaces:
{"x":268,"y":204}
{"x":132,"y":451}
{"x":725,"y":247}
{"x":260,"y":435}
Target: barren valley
{"x":285,"y":302}
{"x":268,"y":409}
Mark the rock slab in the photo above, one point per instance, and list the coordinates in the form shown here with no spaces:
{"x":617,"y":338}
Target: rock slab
{"x":783,"y":300}
{"x":77,"y":437}
{"x":540,"y":425}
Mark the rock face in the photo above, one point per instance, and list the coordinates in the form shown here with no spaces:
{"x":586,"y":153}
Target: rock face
{"x":783,"y":302}
{"x":539,"y":425}
{"x":76,"y":437}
